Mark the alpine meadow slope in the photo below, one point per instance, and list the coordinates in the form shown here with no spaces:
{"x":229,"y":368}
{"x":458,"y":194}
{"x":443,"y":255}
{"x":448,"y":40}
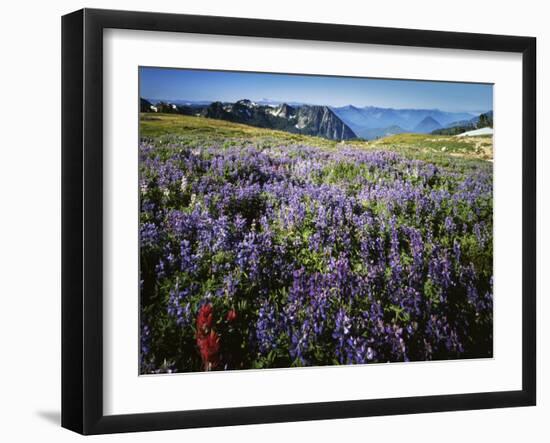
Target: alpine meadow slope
{"x":262,"y":248}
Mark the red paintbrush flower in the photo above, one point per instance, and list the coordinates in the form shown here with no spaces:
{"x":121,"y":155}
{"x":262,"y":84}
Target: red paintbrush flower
{"x":208,"y":341}
{"x":231,"y":315}
{"x":205,"y":319}
{"x":209,"y":347}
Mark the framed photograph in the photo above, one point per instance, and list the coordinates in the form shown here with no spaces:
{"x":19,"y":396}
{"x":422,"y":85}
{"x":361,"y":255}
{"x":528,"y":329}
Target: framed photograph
{"x":269,"y":221}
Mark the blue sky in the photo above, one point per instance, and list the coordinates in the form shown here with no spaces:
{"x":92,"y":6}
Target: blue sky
{"x":185,"y":84}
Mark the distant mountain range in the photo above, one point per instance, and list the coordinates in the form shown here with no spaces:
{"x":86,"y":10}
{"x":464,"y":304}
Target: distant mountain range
{"x":372,"y":122}
{"x":335,"y":123}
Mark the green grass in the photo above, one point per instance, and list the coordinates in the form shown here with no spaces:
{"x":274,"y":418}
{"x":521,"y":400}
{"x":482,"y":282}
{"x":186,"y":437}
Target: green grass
{"x":435,"y":148}
{"x":471,"y":147}
{"x":160,"y":125}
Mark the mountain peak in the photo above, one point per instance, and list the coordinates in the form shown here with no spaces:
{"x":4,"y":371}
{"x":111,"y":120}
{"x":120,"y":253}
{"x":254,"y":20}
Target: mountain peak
{"x":283,"y":111}
{"x":349,"y":108}
{"x":428,"y":124}
{"x":245,"y":102}
{"x":314,"y":120}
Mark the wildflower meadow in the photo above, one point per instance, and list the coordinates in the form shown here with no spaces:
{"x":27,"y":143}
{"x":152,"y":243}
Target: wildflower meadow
{"x":271,"y":252}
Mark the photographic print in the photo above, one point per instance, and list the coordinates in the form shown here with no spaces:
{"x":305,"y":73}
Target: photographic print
{"x":305,"y":220}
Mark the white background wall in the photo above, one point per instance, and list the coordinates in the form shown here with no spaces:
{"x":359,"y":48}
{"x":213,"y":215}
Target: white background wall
{"x":30,"y":219}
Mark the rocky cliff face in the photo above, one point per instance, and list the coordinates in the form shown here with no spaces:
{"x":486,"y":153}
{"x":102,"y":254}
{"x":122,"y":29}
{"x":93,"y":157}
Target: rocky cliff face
{"x":323,"y":122}
{"x":319,"y":121}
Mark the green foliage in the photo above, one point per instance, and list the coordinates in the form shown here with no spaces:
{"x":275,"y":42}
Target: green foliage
{"x":175,"y":138}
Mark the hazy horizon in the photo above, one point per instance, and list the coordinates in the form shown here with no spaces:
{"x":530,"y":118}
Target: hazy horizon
{"x":170,"y":84}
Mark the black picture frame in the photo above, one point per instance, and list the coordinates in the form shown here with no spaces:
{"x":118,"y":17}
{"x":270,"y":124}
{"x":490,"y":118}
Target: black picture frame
{"x":82,"y":218}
